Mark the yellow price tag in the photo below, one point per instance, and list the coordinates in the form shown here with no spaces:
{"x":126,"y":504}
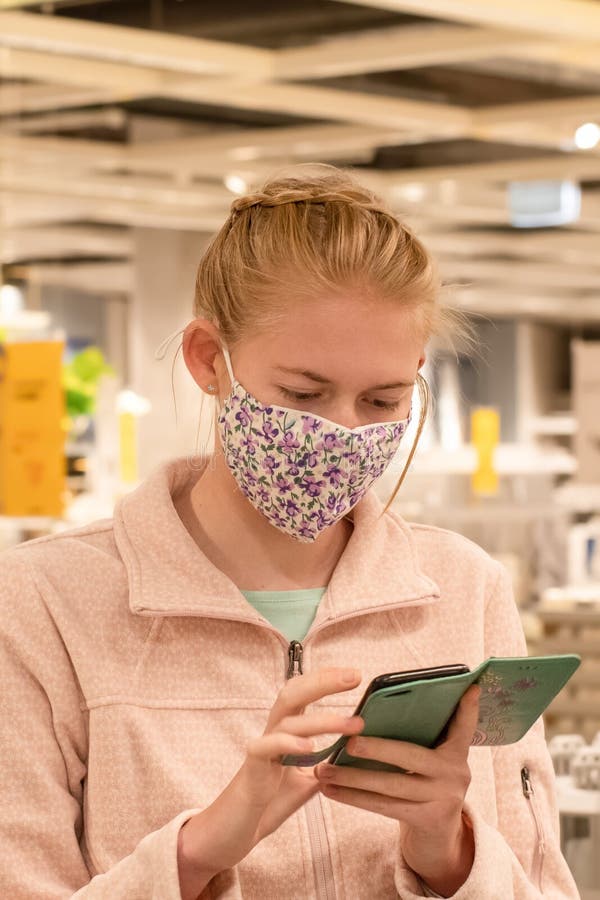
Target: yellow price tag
{"x":128,"y":461}
{"x":485,"y":435}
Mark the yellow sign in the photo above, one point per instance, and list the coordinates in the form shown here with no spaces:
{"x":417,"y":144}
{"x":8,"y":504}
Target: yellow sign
{"x":485,"y":434}
{"x":32,"y":429}
{"x":128,"y":462}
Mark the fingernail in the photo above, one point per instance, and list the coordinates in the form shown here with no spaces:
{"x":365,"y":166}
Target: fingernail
{"x":353,"y":720}
{"x":350,"y":675}
{"x":326,"y":771}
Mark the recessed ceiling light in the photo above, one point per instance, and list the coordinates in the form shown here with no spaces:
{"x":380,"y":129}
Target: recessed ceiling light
{"x":235,"y":184}
{"x":587,"y":136}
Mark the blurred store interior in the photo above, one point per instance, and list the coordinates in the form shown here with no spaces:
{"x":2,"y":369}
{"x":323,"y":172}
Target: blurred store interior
{"x":127,"y":129}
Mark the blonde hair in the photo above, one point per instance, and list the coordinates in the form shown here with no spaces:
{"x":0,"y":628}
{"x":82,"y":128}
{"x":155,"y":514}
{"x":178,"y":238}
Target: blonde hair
{"x":311,"y":230}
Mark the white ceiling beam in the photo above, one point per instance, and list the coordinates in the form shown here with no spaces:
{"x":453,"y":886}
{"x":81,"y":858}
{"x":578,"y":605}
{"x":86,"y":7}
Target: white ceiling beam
{"x":20,"y":209}
{"x":30,"y":98}
{"x":581,"y":55}
{"x":16,"y":4}
{"x":241,"y":145}
{"x":327,"y":103}
{"x":522,"y":274}
{"x":93,"y":277}
{"x":214,"y":155}
{"x":63,"y":241}
{"x":130,"y":188}
{"x":134,"y":47}
{"x":565,"y":245}
{"x":558,"y":18}
{"x":111,"y":118}
{"x":394,"y":48}
{"x":130,"y":82}
{"x":61,"y":151}
{"x":500,"y":302}
{"x":572,"y":110}
{"x":123,"y":81}
{"x":581,"y":165}
{"x":118,"y":212}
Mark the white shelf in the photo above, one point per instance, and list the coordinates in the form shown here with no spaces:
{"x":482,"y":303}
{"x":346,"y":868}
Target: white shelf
{"x":554,"y":424}
{"x":576,"y":801}
{"x":578,"y":497}
{"x":509,"y":459}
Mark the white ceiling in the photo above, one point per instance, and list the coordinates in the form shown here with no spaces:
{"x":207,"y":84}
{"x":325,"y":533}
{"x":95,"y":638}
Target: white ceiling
{"x":125,"y":114}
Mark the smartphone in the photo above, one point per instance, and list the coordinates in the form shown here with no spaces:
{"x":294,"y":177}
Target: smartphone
{"x":417,"y":705}
{"x":392,"y":684}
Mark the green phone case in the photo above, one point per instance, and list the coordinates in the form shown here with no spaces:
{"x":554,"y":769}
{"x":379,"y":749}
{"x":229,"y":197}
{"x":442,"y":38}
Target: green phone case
{"x":515,"y":690}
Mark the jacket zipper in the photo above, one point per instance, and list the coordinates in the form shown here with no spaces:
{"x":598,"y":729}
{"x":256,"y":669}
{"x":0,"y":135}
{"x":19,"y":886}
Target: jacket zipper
{"x":313,"y":809}
{"x":541,"y":845}
{"x":295,"y":651}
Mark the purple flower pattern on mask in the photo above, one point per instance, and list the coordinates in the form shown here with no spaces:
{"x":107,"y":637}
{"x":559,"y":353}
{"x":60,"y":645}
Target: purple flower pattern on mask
{"x":270,"y":463}
{"x":302,"y":472}
{"x":310,"y":424}
{"x":311,"y":485}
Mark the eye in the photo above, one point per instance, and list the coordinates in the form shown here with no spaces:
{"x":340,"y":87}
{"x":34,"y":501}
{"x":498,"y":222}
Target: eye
{"x":378,"y":404}
{"x":295,"y":396}
{"x":381,"y":404}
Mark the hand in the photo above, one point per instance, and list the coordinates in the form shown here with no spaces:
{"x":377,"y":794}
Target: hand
{"x":263,"y":793}
{"x":428,"y":802}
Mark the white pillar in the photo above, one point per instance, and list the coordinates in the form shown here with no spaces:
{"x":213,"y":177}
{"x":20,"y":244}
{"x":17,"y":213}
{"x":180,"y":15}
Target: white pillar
{"x":165,"y":265}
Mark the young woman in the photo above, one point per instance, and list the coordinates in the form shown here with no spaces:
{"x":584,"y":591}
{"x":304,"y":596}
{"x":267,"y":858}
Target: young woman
{"x":157,"y":665}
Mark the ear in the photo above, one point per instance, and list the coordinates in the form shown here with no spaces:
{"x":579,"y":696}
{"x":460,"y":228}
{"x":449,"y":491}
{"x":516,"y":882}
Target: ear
{"x":202,"y":353}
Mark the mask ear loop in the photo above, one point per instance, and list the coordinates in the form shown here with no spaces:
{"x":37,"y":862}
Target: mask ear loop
{"x":160,"y":354}
{"x":161,"y":350}
{"x":211,"y":432}
{"x":425,"y":396}
{"x":205,"y":452}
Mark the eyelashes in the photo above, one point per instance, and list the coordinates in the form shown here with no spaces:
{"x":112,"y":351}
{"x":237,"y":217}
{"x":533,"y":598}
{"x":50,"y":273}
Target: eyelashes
{"x":378,"y":404}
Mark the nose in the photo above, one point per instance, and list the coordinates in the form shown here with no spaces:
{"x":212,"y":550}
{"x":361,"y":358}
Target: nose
{"x":345,"y":414}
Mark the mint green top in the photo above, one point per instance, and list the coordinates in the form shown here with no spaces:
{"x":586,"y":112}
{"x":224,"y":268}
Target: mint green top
{"x":291,"y":612}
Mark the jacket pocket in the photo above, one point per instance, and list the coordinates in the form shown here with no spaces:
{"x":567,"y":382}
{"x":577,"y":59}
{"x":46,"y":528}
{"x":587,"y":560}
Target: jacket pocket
{"x":529,"y":793}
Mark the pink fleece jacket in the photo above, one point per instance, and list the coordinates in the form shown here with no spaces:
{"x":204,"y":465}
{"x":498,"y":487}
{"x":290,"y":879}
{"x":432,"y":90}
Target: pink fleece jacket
{"x":134,"y":673}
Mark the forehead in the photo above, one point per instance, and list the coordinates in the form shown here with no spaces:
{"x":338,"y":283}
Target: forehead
{"x":344,"y":331}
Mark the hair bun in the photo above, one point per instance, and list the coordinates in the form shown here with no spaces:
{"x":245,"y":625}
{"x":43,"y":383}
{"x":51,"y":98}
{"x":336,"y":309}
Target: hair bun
{"x":242,"y":203}
{"x":293,"y":195}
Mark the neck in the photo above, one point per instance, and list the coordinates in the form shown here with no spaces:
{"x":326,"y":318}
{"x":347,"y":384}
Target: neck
{"x":244,"y":545}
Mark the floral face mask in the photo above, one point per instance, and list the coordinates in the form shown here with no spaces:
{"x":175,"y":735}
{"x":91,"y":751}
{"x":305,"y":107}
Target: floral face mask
{"x":302,"y":472}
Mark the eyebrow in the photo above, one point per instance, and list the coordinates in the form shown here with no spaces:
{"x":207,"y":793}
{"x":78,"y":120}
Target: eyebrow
{"x":316,"y":377}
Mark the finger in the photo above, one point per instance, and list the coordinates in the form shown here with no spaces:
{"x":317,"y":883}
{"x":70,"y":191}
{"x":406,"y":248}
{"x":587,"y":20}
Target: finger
{"x":270,"y":747}
{"x":390,"y":784}
{"x":463,"y":722}
{"x":320,"y":723}
{"x":409,"y":811}
{"x":421,"y":760}
{"x":301,"y":690}
{"x":297,"y":737}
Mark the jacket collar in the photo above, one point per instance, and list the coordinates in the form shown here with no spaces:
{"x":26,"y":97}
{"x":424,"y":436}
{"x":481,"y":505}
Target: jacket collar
{"x":168,"y":574}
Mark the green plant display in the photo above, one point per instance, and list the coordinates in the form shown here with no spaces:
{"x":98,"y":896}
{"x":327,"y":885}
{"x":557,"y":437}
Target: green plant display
{"x":80,"y":380}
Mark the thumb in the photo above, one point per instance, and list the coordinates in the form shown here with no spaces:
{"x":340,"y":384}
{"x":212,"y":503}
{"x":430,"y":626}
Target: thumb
{"x":464,"y":720}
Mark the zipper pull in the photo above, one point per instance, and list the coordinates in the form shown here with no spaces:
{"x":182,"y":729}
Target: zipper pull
{"x":526,"y":782}
{"x":528,"y":791}
{"x":295,"y":659}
